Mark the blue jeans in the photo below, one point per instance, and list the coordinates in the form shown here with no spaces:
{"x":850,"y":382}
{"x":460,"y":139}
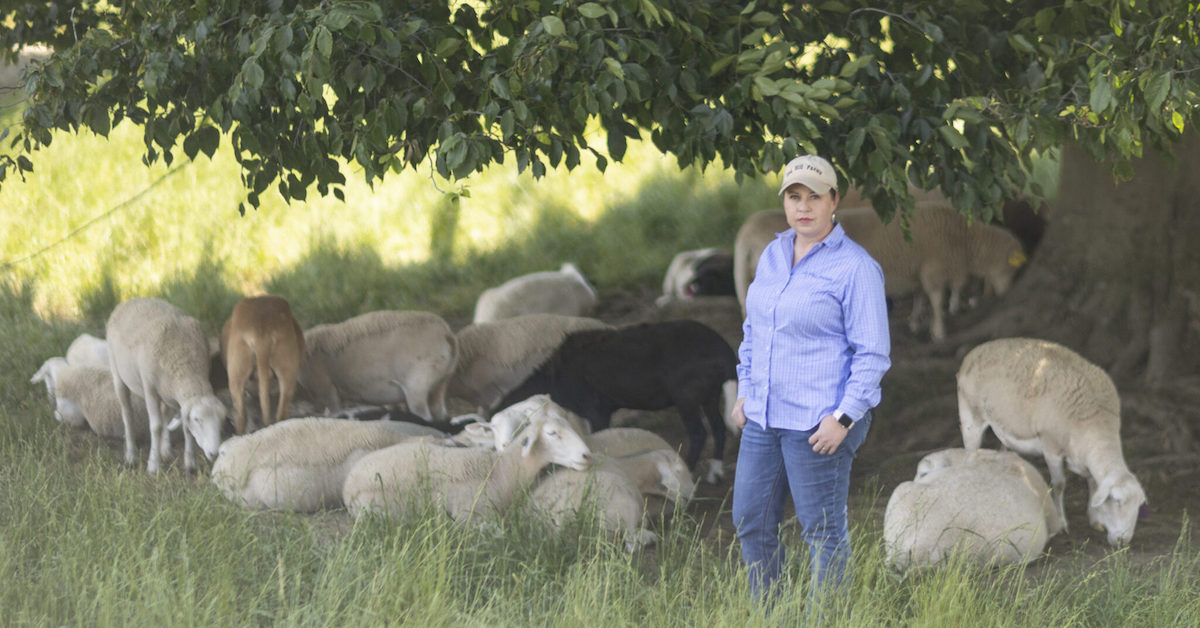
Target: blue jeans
{"x":769,"y":462}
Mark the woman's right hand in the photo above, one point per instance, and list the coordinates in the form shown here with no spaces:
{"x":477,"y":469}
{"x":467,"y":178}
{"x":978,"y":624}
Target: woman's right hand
{"x":739,"y":417}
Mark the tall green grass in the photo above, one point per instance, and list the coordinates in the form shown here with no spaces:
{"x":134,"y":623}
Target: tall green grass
{"x":86,"y":541}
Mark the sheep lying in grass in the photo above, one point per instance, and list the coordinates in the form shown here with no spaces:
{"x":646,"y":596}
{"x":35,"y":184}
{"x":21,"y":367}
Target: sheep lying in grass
{"x":1041,"y":398}
{"x":301,"y":464}
{"x":88,"y":350}
{"x":381,"y":358}
{"x":162,"y":354}
{"x":84,"y":398}
{"x":650,"y":366}
{"x":495,"y":356}
{"x":464,"y":482}
{"x":564,"y":291}
{"x":701,"y":272}
{"x":262,"y":337}
{"x":993,"y":506}
{"x":616,"y":488}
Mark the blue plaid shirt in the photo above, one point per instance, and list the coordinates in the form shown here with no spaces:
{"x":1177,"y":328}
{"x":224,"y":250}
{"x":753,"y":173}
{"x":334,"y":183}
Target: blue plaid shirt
{"x":815,"y":339}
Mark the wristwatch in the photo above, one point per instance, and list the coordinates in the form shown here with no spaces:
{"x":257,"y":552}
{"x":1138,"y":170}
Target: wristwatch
{"x":844,"y":420}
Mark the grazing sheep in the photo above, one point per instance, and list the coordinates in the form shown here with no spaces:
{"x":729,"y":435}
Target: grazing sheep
{"x":495,"y":356}
{"x":945,"y":251}
{"x":381,"y":358}
{"x":262,"y":337}
{"x":616,"y":487}
{"x":464,"y":481}
{"x":991,"y":505}
{"x":88,"y":350}
{"x":701,"y":272}
{"x":301,"y":464}
{"x":1042,"y":398}
{"x":564,"y":291}
{"x":84,"y":398}
{"x":648,"y":366}
{"x":161,"y":354}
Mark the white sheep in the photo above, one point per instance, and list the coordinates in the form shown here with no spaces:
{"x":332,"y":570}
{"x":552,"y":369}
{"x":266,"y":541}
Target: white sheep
{"x":47,"y":374}
{"x":84,"y":397}
{"x":616,"y":487}
{"x":381,"y":358}
{"x":262,"y":337}
{"x":564,"y":291}
{"x":465,"y":481}
{"x":618,"y":442}
{"x":507,"y":422}
{"x":495,"y":356}
{"x":992,"y":506}
{"x":160,"y":353}
{"x":88,"y":350}
{"x":1040,"y":397}
{"x":301,"y":464}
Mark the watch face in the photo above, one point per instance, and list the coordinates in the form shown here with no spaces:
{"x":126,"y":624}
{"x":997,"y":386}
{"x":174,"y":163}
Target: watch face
{"x":846,"y":421}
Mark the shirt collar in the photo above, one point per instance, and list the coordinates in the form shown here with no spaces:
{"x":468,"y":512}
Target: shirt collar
{"x":834,"y":239}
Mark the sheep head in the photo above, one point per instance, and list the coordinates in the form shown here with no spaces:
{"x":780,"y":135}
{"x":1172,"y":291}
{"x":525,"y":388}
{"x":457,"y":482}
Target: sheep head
{"x":675,"y":479}
{"x":1115,"y":505}
{"x":558,"y":442}
{"x":202,"y":417}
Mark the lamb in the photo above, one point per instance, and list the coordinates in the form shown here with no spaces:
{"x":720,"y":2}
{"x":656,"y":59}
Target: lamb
{"x":991,"y":505}
{"x":495,"y":356}
{"x":465,"y":481}
{"x":564,"y":291}
{"x":1040,"y":397}
{"x":506,"y":423}
{"x":615,"y":486}
{"x":261,"y":336}
{"x":648,"y":366}
{"x":84,"y":398}
{"x":88,"y":350}
{"x":161,"y":353}
{"x":381,"y":358}
{"x":698,"y":272}
{"x":300,"y":464}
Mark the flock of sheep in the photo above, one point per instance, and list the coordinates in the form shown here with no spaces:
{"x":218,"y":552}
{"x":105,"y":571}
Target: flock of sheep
{"x":544,"y":380}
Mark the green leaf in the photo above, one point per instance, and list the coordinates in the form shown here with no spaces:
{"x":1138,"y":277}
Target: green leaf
{"x":1177,"y":121}
{"x":616,"y":144}
{"x":1157,"y":90}
{"x":1101,"y":97}
{"x":554,"y":26}
{"x":500,"y":87}
{"x":592,"y":10}
{"x":448,"y":46}
{"x":952,"y":137}
{"x":852,"y":68}
{"x":1020,"y":44}
{"x":252,"y":73}
{"x":507,"y":124}
{"x":614,"y":67}
{"x":720,"y":64}
{"x":854,"y":143}
{"x":324,"y":41}
{"x":209,"y":139}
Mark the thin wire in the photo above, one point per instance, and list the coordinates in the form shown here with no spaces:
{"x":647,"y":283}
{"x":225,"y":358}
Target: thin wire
{"x":77,"y":230}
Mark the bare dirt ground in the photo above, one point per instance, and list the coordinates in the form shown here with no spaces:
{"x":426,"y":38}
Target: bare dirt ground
{"x":919,"y":415}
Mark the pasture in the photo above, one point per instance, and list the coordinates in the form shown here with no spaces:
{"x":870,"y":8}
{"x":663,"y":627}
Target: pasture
{"x":85,"y":540}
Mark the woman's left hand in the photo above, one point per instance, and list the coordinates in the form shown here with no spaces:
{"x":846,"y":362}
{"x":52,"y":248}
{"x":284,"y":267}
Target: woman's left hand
{"x":828,"y":437}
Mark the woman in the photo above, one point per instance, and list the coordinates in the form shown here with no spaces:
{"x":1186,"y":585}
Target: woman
{"x":814,"y":348}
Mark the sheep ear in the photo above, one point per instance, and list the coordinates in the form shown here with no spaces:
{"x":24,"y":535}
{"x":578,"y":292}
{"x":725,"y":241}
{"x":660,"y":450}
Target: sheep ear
{"x":480,"y":430}
{"x":175,"y":424}
{"x":527,"y":443}
{"x":1103,"y":491}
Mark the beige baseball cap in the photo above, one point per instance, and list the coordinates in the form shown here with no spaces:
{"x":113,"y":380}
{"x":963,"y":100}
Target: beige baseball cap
{"x":811,"y":170}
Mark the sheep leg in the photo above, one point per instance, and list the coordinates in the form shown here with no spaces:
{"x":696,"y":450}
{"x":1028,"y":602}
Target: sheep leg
{"x":263,"y":368}
{"x":716,"y":425}
{"x":933,"y":286}
{"x":165,"y":443}
{"x":970,"y":422}
{"x":154,"y":411}
{"x":126,"y":414}
{"x":690,"y":413}
{"x":238,"y":364}
{"x":918,"y":312}
{"x":189,"y":455}
{"x":1058,"y":482}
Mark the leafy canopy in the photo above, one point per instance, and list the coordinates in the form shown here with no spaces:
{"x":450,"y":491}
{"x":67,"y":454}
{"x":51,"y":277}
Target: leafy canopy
{"x":951,"y":93}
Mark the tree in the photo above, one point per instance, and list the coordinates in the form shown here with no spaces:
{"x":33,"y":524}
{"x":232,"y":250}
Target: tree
{"x":956,"y":94}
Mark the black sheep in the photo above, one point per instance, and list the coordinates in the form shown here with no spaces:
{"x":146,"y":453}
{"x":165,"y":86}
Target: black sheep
{"x":648,"y":366}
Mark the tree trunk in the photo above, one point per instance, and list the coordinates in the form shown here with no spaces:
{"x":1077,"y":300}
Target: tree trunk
{"x":1117,"y":275}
